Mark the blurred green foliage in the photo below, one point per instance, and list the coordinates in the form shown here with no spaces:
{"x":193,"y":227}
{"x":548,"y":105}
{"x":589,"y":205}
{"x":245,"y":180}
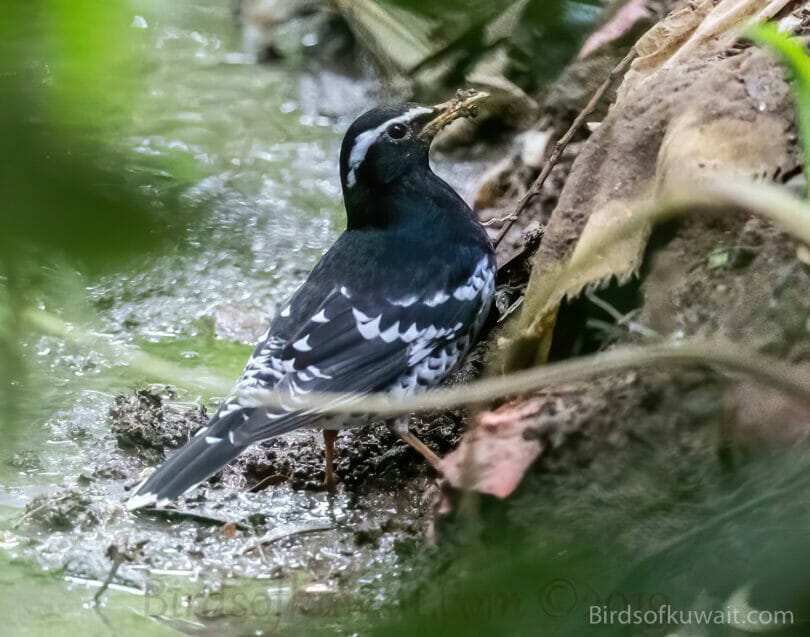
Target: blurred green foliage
{"x":69,"y":79}
{"x":675,"y":531}
{"x":791,"y":51}
{"x":70,"y":196}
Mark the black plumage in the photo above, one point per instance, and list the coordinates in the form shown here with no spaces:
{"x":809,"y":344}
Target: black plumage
{"x":393,"y":306}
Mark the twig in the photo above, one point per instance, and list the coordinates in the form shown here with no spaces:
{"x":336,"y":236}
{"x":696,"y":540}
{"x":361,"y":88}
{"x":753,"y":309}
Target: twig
{"x":732,"y":357}
{"x":150,"y":366}
{"x":496,"y":220}
{"x":267,"y":481}
{"x":563,"y":142}
{"x":276,"y":536}
{"x":175,"y":515}
{"x":621,"y":319}
{"x":617,"y":316}
{"x":769,"y":201}
{"x":118,"y":557}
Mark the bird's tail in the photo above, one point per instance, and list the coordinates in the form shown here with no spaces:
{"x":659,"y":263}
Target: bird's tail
{"x":201,"y":457}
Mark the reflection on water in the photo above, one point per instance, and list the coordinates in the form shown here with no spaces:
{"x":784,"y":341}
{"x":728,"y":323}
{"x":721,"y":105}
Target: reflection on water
{"x":269,"y":177}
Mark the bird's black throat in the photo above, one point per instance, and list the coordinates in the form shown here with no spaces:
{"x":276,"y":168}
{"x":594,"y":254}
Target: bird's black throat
{"x":418,"y":200}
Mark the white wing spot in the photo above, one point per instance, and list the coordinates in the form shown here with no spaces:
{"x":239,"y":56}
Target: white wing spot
{"x":320,"y":317}
{"x":212,"y":440}
{"x":191,"y":488}
{"x":141,"y":500}
{"x":285,"y":312}
{"x":391,"y":334}
{"x":285,"y":366}
{"x":317,"y":373}
{"x":370,"y":329}
{"x":303,"y":344}
{"x":405,"y":301}
{"x":481,"y":281}
{"x":359,"y":316}
{"x":437,"y":299}
{"x":411,"y":334}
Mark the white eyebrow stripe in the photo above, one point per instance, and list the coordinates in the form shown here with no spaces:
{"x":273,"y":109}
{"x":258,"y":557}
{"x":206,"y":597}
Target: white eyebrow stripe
{"x":366,"y":140}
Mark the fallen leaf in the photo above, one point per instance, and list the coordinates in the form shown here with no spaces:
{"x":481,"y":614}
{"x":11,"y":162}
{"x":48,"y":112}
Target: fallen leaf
{"x":494,"y":456}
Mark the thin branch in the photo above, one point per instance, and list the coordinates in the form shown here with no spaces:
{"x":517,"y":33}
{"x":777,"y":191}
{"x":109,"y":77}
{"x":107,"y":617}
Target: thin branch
{"x":118,"y":557}
{"x":621,"y":319}
{"x":37,"y":509}
{"x":729,"y":356}
{"x":150,"y":366}
{"x":116,"y":564}
{"x":176,"y":515}
{"x":563,"y":142}
{"x":278,"y":535}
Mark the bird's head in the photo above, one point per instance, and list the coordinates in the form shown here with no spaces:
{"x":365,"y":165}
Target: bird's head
{"x":388,"y":142}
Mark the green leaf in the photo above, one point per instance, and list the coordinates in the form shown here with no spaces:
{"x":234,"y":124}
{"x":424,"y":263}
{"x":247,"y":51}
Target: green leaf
{"x":792,"y":53}
{"x":68,"y":80}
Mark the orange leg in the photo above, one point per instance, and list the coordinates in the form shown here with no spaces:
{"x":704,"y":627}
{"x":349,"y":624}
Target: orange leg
{"x":422,"y":449}
{"x":400,"y":427}
{"x":329,"y":437}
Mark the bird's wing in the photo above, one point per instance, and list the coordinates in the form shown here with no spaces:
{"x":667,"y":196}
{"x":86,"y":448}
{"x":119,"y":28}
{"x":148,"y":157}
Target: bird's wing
{"x":350,"y":343}
{"x":353,"y":344}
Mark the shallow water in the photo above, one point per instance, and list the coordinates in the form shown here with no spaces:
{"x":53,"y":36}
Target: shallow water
{"x":268,"y":197}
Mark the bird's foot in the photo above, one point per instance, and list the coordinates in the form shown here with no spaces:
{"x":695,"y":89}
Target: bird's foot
{"x":330,"y":486}
{"x":330,"y":483}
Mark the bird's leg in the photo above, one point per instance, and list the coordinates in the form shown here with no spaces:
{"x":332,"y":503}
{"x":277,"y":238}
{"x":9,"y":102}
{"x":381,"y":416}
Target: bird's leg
{"x":329,"y":437}
{"x":400,"y":427}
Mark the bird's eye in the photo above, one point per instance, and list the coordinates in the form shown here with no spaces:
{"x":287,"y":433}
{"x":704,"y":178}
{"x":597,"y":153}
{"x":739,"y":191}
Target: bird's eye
{"x":397,"y":131}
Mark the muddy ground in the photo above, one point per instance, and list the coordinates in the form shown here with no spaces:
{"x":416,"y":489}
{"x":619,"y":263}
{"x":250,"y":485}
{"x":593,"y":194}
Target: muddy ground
{"x":330,"y":557}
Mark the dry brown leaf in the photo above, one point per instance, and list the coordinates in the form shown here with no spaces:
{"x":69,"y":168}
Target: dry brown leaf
{"x":494,"y":456}
{"x":682,"y":114}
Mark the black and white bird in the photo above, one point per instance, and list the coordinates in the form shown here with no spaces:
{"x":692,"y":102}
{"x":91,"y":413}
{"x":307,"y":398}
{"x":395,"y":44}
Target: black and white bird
{"x":392,"y":307}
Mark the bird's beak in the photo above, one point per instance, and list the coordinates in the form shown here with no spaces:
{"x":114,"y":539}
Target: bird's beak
{"x":464,"y":104}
